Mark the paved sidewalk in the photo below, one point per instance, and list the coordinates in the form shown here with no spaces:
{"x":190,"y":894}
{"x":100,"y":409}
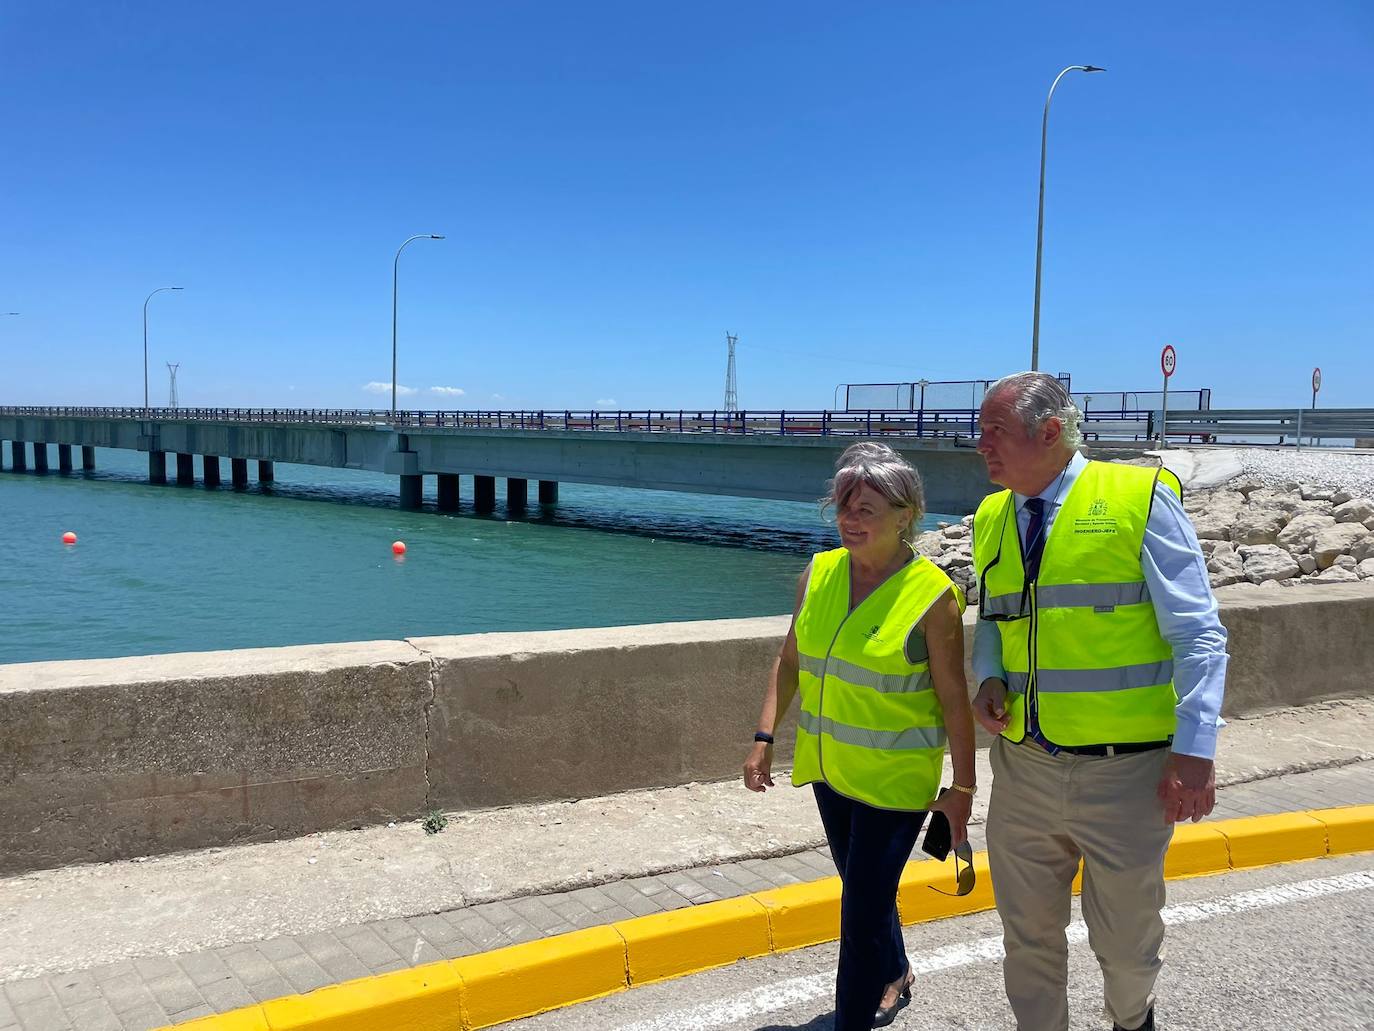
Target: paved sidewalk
{"x":141,"y":994}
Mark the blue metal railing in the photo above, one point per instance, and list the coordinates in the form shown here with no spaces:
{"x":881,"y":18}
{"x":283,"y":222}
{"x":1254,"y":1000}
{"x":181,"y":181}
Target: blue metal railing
{"x":1282,"y":424}
{"x":782,"y":422}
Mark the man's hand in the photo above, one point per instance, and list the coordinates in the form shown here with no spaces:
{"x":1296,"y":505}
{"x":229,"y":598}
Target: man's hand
{"x":1188,"y":788}
{"x":990,"y":705}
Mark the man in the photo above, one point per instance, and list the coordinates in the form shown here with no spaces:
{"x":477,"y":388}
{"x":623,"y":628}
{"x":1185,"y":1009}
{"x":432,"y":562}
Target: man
{"x":1101,"y":663}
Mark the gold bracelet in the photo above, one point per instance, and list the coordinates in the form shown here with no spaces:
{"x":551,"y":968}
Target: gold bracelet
{"x":968,"y":791}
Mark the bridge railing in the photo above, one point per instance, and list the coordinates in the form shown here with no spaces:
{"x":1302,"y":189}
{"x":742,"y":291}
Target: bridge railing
{"x":943,"y":424}
{"x":1196,"y":424}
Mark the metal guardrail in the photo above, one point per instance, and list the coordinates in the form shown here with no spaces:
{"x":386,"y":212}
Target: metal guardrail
{"x":1140,"y":425}
{"x":1283,"y":423}
{"x":783,"y":423}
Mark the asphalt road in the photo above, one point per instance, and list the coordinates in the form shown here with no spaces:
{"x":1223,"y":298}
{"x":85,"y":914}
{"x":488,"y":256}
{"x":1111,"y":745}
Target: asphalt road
{"x":1287,"y":947}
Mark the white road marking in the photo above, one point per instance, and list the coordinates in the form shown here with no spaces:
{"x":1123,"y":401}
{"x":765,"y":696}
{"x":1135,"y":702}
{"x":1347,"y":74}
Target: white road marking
{"x":798,"y":990}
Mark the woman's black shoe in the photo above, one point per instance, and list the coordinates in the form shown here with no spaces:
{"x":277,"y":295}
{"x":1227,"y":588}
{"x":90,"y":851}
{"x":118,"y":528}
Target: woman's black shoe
{"x":887,"y":1014}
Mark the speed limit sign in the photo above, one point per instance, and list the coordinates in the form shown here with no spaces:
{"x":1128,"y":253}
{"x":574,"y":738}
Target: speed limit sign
{"x":1316,"y":379}
{"x":1168,"y":361}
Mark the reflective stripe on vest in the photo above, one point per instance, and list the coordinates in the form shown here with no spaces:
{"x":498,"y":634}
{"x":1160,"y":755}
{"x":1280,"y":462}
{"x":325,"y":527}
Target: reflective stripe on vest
{"x":870,"y":724}
{"x":884,"y":683}
{"x":1102,"y":673}
{"x":894,"y":740}
{"x":1068,"y":596}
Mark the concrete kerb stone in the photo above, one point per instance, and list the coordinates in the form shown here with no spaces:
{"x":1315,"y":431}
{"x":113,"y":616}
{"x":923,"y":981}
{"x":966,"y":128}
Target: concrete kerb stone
{"x":118,"y":758}
{"x":484,"y":990}
{"x":115,"y":758}
{"x":529,"y":717}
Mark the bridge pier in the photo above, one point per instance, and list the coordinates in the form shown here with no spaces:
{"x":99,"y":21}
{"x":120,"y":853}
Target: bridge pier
{"x":548,"y":492}
{"x":64,"y":458}
{"x":517,"y":494}
{"x":238,"y":472}
{"x":186,"y":470}
{"x":157,"y":466}
{"x":448,"y":492}
{"x":87,"y":458}
{"x":412,"y":491}
{"x":484,"y":493}
{"x":266,"y":472}
{"x":209,"y":465}
{"x":17,"y":454}
{"x":40,"y":458}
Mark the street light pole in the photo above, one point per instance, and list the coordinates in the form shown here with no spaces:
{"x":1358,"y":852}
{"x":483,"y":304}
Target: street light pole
{"x":145,"y":338}
{"x":1040,"y":220}
{"x":395,"y":278}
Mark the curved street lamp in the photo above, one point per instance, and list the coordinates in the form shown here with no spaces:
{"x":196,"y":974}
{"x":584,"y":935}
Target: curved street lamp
{"x":395,"y":275}
{"x":145,"y":338}
{"x":1040,"y":221}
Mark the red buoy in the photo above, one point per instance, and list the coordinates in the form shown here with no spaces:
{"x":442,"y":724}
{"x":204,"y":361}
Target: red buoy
{"x":69,"y":538}
{"x":397,"y":547}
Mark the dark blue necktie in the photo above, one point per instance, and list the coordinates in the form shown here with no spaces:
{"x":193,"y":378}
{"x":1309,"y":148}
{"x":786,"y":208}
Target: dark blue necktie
{"x":1035,"y":536}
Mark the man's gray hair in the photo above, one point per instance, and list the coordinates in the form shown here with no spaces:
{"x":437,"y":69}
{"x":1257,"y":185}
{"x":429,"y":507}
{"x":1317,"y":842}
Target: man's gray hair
{"x":887,"y":472}
{"x":1037,"y":396}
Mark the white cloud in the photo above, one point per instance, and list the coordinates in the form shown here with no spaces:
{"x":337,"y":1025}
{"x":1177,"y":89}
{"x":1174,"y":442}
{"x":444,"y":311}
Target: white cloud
{"x":448,"y":391}
{"x":385,"y":388}
{"x":498,"y":397}
{"x":605,"y":402}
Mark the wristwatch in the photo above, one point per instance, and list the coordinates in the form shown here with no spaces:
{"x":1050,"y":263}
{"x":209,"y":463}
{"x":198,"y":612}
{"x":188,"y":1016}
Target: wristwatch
{"x":970,"y":791}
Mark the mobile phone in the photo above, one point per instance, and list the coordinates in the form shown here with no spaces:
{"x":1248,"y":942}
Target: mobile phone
{"x":938,"y":836}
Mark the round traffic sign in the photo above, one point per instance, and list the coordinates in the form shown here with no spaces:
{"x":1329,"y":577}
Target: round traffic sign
{"x":1168,"y":360}
{"x":1316,"y":379}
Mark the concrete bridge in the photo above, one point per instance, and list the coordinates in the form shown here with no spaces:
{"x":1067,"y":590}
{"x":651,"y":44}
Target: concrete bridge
{"x":778,"y":455}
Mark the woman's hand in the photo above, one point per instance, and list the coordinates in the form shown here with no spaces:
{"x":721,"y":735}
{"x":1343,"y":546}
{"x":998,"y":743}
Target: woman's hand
{"x":957,"y":807}
{"x":758,"y":768}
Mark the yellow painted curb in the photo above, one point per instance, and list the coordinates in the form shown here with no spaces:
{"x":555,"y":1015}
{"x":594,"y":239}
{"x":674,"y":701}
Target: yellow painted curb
{"x":480,"y":991}
{"x":683,"y":941}
{"x":1197,"y":849}
{"x":801,"y":915}
{"x":426,"y":998}
{"x":1347,"y":830}
{"x":918,"y":903}
{"x":522,"y":980}
{"x":1281,"y":838}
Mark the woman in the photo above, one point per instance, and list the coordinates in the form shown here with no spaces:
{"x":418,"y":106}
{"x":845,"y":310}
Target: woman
{"x":876,"y":650}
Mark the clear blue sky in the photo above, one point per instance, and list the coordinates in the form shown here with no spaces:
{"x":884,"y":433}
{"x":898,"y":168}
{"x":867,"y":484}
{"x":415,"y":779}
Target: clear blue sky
{"x":849,"y":187}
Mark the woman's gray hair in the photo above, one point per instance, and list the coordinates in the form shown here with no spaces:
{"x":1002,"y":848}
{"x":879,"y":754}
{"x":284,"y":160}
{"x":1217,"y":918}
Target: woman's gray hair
{"x":1037,"y":396}
{"x":887,"y":472}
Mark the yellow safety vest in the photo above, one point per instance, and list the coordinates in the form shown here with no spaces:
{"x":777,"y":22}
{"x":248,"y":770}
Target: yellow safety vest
{"x":870,"y":725}
{"x":1081,"y":644}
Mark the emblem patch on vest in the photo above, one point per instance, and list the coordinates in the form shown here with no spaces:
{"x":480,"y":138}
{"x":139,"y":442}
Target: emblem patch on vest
{"x":1097,"y":520}
{"x":872,"y":633}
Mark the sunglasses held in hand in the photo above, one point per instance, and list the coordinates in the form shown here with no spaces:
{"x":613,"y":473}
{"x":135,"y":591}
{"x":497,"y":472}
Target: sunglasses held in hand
{"x":937,"y":844}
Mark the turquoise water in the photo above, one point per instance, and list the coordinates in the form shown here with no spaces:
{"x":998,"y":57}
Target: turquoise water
{"x":308,"y":559}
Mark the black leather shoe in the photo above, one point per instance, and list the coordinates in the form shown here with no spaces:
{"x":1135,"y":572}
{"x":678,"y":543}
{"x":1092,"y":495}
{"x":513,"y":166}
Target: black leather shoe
{"x":887,"y":1014}
{"x":1149,"y":1024}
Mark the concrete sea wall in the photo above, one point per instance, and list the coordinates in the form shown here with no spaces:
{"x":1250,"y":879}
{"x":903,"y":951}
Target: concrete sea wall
{"x":111,"y":758}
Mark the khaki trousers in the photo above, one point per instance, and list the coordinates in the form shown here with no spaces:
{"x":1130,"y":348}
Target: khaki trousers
{"x":1046,"y":813}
